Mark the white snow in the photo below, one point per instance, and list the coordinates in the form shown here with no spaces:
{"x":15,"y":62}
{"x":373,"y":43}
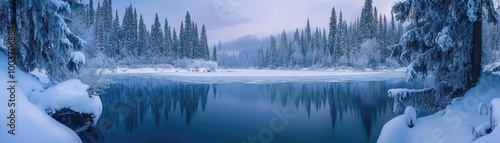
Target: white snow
{"x":40,"y":75}
{"x":70,"y":94}
{"x":78,"y":57}
{"x":261,"y":76}
{"x":411,"y":116}
{"x":31,"y":124}
{"x":495,"y":135}
{"x":455,"y":123}
{"x":444,"y":39}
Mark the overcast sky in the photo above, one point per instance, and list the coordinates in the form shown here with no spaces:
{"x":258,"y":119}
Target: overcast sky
{"x":230,"y":19}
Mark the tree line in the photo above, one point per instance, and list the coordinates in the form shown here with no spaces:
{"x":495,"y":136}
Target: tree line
{"x":131,"y":41}
{"x":360,"y":44}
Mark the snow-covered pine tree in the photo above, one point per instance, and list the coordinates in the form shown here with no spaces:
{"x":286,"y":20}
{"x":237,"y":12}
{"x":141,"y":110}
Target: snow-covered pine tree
{"x":214,"y":54}
{"x":272,"y":54}
{"x":142,"y":48}
{"x":89,"y":21}
{"x":156,"y":40}
{"x":107,"y":17}
{"x":366,"y":22}
{"x":187,"y":37}
{"x":341,"y":48}
{"x":204,"y":44}
{"x":182,"y":42}
{"x":297,"y":54}
{"x":285,"y":49}
{"x":375,"y":23}
{"x":332,"y":32}
{"x":446,"y":41}
{"x":196,"y":52}
{"x":129,"y":33}
{"x":47,"y":40}
{"x":98,"y":26}
{"x":175,"y":46}
{"x":169,"y":51}
{"x":115,"y":37}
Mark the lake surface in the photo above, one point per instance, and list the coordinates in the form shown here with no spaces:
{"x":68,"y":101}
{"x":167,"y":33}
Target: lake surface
{"x":158,"y":110}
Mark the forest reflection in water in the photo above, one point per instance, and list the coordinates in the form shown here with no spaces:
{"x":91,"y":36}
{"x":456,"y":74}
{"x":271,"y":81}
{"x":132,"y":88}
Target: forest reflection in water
{"x":356,"y":103}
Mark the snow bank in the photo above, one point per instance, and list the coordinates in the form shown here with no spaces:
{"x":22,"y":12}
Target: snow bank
{"x":31,"y":124}
{"x":68,"y":94}
{"x":455,"y":123}
{"x":493,"y":68}
{"x":40,"y":75}
{"x":494,"y":136}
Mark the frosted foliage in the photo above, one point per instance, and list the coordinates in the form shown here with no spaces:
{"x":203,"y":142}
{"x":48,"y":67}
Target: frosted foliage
{"x":472,"y":9}
{"x":444,"y":39}
{"x":48,"y":39}
{"x":440,"y":41}
{"x":78,"y":57}
{"x":411,"y":97}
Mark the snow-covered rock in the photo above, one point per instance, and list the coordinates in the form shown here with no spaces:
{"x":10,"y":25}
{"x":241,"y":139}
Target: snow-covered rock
{"x":66,"y":96}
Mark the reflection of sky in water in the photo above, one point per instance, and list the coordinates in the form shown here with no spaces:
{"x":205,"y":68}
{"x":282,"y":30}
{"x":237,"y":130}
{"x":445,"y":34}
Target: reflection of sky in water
{"x":231,"y":112}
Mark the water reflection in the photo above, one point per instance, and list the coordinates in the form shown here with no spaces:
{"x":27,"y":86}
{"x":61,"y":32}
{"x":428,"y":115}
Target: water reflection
{"x":129,"y":100}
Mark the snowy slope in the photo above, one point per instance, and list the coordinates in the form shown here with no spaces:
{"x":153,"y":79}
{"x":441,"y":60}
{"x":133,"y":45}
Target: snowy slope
{"x":452,"y":125}
{"x":32,"y":124}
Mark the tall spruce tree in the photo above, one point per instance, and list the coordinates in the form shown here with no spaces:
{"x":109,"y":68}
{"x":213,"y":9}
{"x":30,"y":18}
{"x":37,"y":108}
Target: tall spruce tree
{"x":156,"y":40}
{"x":332,"y":31}
{"x":205,"y":54}
{"x":142,"y":48}
{"x":169,"y":51}
{"x":446,"y":41}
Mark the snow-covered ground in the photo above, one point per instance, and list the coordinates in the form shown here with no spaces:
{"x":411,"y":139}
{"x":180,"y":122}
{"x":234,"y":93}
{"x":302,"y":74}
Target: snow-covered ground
{"x":260,"y":76}
{"x":456,"y":123}
{"x":32,"y":123}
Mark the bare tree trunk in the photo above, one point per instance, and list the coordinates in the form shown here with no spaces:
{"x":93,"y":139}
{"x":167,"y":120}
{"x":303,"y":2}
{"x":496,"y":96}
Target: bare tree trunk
{"x":476,"y":53}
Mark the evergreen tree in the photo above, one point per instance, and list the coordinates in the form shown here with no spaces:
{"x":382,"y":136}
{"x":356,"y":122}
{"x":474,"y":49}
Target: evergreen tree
{"x":297,"y":52}
{"x":169,"y":51}
{"x":129,"y":32}
{"x":175,"y":45}
{"x":214,"y":54}
{"x":43,"y":36}
{"x":448,"y":42}
{"x":115,"y":37}
{"x":142,"y":40}
{"x":272,"y":54}
{"x":99,"y":27}
{"x":90,"y":14}
{"x":260,"y":58}
{"x":366,"y":22}
{"x":156,"y":43}
{"x":341,"y":48}
{"x":204,"y":44}
{"x":285,"y":50}
{"x":182,"y":42}
{"x":333,"y":31}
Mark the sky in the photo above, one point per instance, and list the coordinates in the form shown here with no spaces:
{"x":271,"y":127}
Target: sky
{"x":227,"y":20}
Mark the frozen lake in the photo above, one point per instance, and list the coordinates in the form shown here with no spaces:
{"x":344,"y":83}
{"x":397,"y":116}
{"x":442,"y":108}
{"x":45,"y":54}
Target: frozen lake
{"x":291,"y":107}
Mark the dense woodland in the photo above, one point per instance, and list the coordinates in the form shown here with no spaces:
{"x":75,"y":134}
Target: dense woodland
{"x":360,"y":44}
